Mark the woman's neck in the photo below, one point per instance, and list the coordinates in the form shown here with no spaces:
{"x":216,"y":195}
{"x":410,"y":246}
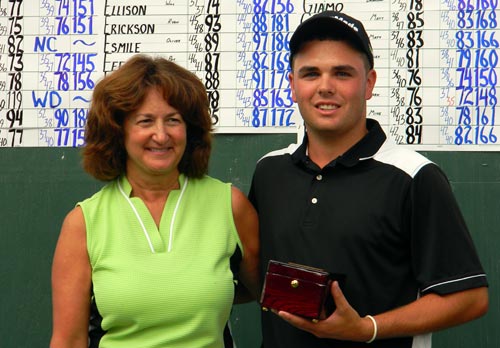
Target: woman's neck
{"x":153,"y":188}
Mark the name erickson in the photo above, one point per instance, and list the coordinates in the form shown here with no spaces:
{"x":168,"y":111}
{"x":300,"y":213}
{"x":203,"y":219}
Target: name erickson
{"x":115,"y":29}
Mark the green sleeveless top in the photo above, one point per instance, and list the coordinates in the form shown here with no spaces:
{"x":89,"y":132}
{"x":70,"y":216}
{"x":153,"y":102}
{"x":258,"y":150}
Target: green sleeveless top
{"x":171,"y":287}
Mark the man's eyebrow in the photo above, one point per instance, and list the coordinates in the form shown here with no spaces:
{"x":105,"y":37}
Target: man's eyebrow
{"x":309,"y":68}
{"x":345,"y":67}
{"x":306,"y":69}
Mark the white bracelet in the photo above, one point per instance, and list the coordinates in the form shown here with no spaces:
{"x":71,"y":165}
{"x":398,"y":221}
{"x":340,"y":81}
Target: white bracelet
{"x":374,"y":329}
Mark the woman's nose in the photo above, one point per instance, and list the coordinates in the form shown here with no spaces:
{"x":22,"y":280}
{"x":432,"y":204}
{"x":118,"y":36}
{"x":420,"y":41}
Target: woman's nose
{"x":160,"y":134}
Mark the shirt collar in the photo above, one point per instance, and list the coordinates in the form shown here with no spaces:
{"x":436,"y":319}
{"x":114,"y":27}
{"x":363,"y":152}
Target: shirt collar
{"x":127,"y":188}
{"x":364,"y":149}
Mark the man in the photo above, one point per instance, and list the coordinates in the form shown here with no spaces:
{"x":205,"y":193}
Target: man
{"x":348,"y":201}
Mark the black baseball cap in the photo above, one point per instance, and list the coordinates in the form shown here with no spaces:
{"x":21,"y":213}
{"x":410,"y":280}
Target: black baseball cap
{"x":332,"y":24}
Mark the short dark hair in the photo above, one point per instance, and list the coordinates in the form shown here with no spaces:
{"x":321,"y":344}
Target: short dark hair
{"x":122,"y":92}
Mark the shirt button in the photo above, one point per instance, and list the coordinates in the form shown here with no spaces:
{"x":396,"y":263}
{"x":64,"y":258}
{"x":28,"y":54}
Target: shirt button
{"x":319,"y":177}
{"x":314,"y":200}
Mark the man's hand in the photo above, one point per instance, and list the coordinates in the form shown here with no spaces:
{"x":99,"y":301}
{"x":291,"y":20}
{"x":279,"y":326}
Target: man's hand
{"x":343,"y":324}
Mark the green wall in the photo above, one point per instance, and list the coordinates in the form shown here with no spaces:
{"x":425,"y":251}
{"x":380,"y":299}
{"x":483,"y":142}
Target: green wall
{"x":38,"y":186}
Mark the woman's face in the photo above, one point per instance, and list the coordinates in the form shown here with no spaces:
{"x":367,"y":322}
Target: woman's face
{"x":155,"y":137}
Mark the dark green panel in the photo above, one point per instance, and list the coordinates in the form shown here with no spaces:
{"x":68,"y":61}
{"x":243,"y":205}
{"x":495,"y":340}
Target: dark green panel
{"x":38,"y":186}
{"x":475,"y":179}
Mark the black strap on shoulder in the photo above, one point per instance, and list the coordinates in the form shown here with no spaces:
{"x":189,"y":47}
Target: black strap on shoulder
{"x":95,"y":324}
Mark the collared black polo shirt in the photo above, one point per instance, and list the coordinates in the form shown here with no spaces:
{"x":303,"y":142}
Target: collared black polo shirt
{"x":382,"y":215}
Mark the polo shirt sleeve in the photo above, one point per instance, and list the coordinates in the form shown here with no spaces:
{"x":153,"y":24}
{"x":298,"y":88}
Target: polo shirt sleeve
{"x":443,"y":253}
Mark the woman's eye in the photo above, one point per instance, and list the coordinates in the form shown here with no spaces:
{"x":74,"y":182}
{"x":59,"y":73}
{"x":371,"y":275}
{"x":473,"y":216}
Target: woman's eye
{"x":174,"y":120}
{"x":144,"y":121}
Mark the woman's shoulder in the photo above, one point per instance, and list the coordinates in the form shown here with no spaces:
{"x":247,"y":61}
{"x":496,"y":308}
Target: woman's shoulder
{"x":209,"y":181}
{"x":105,"y":191}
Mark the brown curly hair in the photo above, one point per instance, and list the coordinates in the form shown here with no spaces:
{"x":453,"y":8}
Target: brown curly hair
{"x":122,"y":92}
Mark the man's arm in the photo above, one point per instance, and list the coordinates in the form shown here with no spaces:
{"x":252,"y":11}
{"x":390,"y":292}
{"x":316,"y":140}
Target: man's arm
{"x":429,"y":313}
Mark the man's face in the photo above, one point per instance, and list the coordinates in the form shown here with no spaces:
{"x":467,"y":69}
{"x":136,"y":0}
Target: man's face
{"x":330,"y":83}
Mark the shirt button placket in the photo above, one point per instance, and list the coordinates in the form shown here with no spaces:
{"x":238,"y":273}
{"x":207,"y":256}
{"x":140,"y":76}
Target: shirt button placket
{"x":314,"y":200}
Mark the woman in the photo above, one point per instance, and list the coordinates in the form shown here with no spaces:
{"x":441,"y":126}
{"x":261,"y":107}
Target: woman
{"x":147,"y":258}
